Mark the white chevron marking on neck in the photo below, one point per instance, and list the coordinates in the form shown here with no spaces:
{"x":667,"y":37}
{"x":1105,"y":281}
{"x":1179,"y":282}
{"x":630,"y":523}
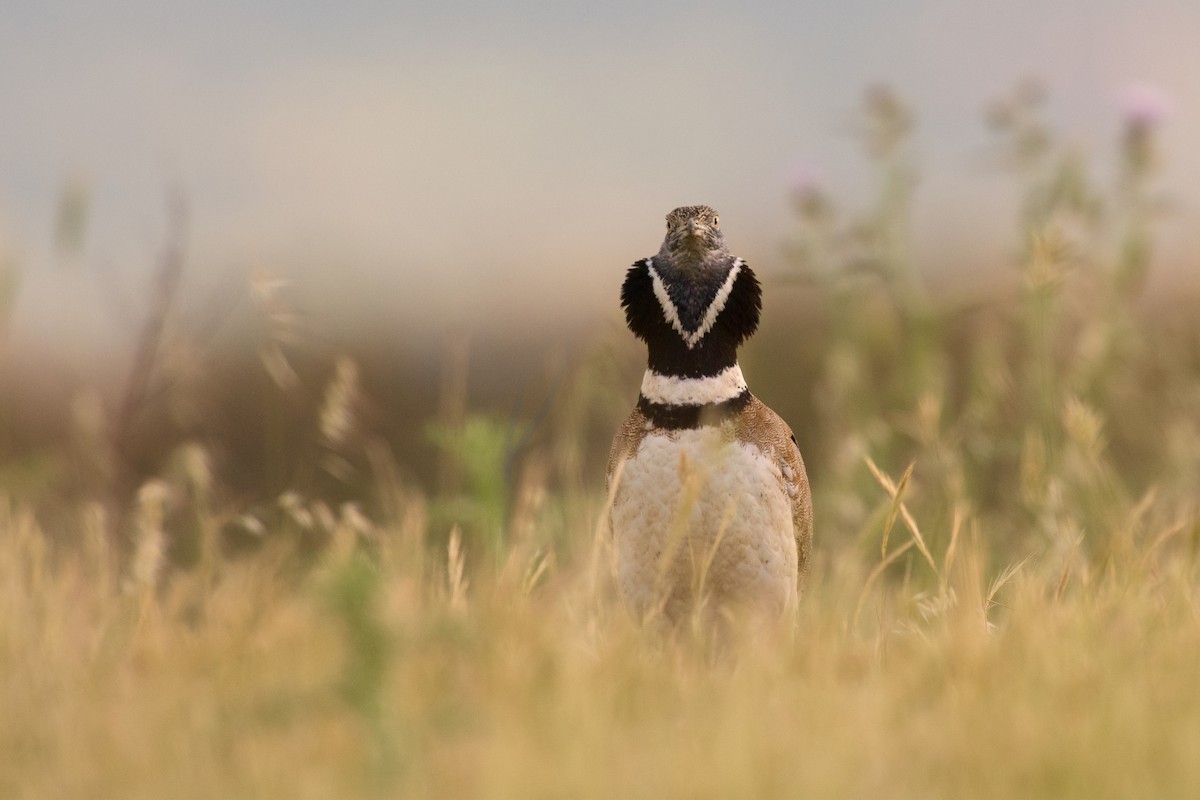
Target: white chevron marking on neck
{"x":671,"y":390}
{"x":671,"y":313}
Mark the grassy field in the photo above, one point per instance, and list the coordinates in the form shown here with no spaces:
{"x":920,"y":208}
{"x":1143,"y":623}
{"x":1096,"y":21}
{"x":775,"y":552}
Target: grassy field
{"x":1005,"y":600}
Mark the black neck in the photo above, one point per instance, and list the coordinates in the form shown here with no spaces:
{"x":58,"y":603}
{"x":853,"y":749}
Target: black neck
{"x":669,"y":353}
{"x":681,"y":417}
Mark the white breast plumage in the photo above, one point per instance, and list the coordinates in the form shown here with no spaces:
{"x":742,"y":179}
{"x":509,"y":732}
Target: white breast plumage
{"x":700,"y":516}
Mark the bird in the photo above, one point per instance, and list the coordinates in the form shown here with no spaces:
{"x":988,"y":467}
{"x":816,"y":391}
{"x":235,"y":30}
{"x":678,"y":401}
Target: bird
{"x":709,"y":502}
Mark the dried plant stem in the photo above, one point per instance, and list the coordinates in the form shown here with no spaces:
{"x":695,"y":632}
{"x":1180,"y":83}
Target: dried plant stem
{"x":166,"y":285}
{"x":891,"y":488}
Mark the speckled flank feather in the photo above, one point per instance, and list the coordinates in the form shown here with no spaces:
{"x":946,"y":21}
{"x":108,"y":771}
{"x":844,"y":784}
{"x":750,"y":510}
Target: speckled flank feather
{"x":762,"y":428}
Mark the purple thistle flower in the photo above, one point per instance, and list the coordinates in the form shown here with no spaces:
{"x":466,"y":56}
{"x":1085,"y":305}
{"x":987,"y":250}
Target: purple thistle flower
{"x":808,"y":193}
{"x":804,"y":181}
{"x":1145,"y":106}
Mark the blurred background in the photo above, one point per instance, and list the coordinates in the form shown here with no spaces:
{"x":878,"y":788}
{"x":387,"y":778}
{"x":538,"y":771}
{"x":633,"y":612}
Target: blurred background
{"x":416,"y":186}
{"x":311,"y":358}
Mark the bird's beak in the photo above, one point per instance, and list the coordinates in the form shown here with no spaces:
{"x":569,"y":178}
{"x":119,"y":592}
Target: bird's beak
{"x":691,"y":227}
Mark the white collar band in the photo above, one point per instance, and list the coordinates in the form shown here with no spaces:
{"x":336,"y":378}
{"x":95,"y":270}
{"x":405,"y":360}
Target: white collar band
{"x":672,"y":390}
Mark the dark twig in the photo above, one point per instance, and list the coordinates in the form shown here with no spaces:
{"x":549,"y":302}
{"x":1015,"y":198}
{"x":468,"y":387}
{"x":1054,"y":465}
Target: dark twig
{"x":166,"y":284}
{"x":514,"y":444}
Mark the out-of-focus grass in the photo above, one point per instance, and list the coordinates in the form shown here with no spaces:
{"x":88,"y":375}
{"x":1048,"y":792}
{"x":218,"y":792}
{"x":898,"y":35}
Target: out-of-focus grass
{"x":1018,"y":616}
{"x":387,"y":675}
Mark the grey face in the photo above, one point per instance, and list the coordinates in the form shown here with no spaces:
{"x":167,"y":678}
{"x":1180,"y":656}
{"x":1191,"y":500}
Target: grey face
{"x":693,"y":232}
{"x":693,"y":266}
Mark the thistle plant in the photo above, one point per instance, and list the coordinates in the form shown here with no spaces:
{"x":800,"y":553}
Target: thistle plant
{"x":1020,"y":393}
{"x":881,"y":347}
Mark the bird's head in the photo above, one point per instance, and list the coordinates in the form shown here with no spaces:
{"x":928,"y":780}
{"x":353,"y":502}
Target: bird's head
{"x":693,"y":233}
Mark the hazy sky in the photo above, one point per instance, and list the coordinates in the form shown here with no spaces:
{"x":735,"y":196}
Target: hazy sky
{"x":435,"y":161}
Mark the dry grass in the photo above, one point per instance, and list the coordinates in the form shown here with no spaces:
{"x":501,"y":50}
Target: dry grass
{"x":393,"y":676}
{"x":1015,"y":614}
